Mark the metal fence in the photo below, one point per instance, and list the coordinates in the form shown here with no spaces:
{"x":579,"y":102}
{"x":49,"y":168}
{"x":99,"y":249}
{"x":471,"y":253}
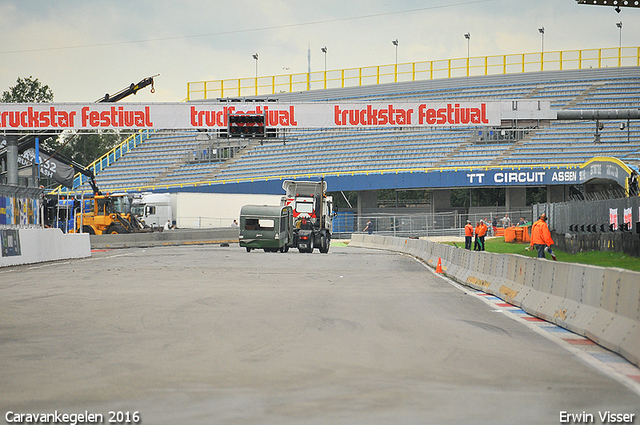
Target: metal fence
{"x":564,"y":216}
{"x":416,"y":225}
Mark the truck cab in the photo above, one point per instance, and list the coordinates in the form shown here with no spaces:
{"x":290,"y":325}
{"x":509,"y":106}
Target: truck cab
{"x":312,"y":214}
{"x":154,"y":209}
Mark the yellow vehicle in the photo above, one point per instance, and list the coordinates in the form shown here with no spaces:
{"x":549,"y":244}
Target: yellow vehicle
{"x":110,"y":214}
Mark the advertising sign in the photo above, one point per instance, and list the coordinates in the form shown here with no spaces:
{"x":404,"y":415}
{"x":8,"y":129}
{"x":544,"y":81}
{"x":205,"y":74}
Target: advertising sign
{"x":93,"y":116}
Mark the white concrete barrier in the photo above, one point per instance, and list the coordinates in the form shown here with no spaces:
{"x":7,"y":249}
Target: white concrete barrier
{"x":39,"y":245}
{"x":602,"y":304}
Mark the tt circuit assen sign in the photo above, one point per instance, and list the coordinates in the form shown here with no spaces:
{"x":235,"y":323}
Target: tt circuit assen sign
{"x":63,"y":116}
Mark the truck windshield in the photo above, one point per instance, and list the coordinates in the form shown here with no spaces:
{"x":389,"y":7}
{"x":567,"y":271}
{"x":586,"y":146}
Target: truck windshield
{"x":304,"y":207}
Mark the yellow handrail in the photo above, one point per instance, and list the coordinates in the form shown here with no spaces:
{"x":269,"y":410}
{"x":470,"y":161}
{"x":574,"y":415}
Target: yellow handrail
{"x":415,"y":71}
{"x":108,"y":158}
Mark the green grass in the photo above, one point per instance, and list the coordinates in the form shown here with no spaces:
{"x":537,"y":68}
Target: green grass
{"x":594,"y":258}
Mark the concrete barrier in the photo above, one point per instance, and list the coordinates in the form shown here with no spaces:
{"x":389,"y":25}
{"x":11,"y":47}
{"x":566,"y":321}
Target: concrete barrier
{"x":169,"y":237}
{"x":602,"y":304}
{"x":40,"y":245}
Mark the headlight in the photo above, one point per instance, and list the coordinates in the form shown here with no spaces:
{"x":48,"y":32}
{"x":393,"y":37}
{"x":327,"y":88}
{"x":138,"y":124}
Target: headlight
{"x":277,"y":236}
{"x":241,"y":237}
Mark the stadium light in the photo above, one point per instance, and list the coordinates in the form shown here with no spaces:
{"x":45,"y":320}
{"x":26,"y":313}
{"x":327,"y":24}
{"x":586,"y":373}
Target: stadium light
{"x":468,"y":37}
{"x":256,"y":58}
{"x":619,"y":25}
{"x":324,"y":50}
{"x":541,"y":31}
{"x":395,"y":43}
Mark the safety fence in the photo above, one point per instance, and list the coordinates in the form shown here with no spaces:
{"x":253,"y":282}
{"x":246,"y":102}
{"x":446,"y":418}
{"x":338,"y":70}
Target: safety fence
{"x":604,"y":225}
{"x":415,"y":71}
{"x":418,"y":224}
{"x":600,"y":303}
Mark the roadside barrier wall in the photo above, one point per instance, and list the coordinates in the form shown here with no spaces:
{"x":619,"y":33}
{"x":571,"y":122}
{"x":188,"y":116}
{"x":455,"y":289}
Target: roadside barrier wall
{"x":27,"y":246}
{"x":167,"y":237}
{"x":602,"y":304}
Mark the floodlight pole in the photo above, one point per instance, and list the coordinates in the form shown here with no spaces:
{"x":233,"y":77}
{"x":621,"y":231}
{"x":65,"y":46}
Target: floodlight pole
{"x":619,"y":25}
{"x":395,"y":43}
{"x":255,"y":56}
{"x":541,"y":31}
{"x":324,"y":50}
{"x":468,"y":37}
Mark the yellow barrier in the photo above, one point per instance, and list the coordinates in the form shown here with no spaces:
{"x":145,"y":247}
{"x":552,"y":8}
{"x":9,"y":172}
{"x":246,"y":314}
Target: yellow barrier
{"x":415,"y":71}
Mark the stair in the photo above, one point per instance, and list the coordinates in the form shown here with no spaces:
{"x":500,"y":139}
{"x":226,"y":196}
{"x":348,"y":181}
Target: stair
{"x":583,"y":95}
{"x":511,"y":149}
{"x":225,"y":164}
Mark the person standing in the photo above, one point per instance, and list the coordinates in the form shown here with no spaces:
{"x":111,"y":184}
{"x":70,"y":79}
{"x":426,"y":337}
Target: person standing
{"x":481,"y":232}
{"x":476,"y":243}
{"x":541,"y":237}
{"x":468,"y":235}
{"x":368,"y":228}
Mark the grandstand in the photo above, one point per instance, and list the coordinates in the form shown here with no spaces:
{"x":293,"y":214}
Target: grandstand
{"x":190,"y":160}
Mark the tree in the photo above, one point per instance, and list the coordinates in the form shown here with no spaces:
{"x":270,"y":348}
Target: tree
{"x":86,"y":148}
{"x":27,"y":90}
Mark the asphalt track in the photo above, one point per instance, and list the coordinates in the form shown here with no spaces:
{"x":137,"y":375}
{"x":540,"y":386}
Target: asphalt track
{"x":215,"y":335}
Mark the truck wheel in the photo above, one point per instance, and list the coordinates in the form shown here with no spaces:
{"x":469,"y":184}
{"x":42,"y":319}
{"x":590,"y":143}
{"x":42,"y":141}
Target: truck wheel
{"x":284,"y":249}
{"x":248,"y":249}
{"x":116,"y":229}
{"x":312,"y":239}
{"x":88,"y":229}
{"x":325,"y":243}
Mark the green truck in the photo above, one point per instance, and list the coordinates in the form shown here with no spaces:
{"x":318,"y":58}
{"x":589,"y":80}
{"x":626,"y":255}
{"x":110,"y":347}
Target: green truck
{"x":266,"y":227}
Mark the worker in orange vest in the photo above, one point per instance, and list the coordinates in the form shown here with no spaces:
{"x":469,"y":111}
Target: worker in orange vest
{"x":481,"y":231}
{"x":468,"y":235}
{"x":541,"y":237}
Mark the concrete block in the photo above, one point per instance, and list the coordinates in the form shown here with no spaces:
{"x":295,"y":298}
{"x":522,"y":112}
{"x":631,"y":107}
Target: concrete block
{"x":610,"y":289}
{"x":630,"y":345}
{"x":40,"y":245}
{"x":616,"y":332}
{"x":629,"y":295}
{"x":575,"y":282}
{"x":592,"y":286}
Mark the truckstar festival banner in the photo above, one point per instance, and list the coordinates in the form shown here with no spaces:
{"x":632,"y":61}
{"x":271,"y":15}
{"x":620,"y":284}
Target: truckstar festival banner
{"x":67,"y":116}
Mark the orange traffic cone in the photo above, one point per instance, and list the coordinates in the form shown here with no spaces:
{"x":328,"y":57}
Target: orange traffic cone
{"x":439,"y":266}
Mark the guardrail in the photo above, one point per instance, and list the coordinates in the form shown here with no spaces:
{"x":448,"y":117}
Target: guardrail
{"x":414,"y":71}
{"x":600,"y":303}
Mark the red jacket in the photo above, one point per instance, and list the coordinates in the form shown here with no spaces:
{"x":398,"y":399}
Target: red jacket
{"x":540,"y":234}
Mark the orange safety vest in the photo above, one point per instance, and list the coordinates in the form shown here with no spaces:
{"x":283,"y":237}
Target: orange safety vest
{"x":540,"y":234}
{"x":468,"y":230}
{"x":481,"y":230}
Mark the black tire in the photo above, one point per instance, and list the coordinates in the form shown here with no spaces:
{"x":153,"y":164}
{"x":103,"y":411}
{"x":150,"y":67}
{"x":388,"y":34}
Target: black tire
{"x":325,"y":243}
{"x":312,"y":244}
{"x":248,"y":249}
{"x":116,"y":229}
{"x":284,"y":249}
{"x":88,"y":229}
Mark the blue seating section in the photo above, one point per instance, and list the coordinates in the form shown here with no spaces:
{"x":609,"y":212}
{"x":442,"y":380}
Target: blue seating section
{"x":165,"y":158}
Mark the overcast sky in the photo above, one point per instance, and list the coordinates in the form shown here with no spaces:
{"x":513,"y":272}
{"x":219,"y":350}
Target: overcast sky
{"x":84,"y":49}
